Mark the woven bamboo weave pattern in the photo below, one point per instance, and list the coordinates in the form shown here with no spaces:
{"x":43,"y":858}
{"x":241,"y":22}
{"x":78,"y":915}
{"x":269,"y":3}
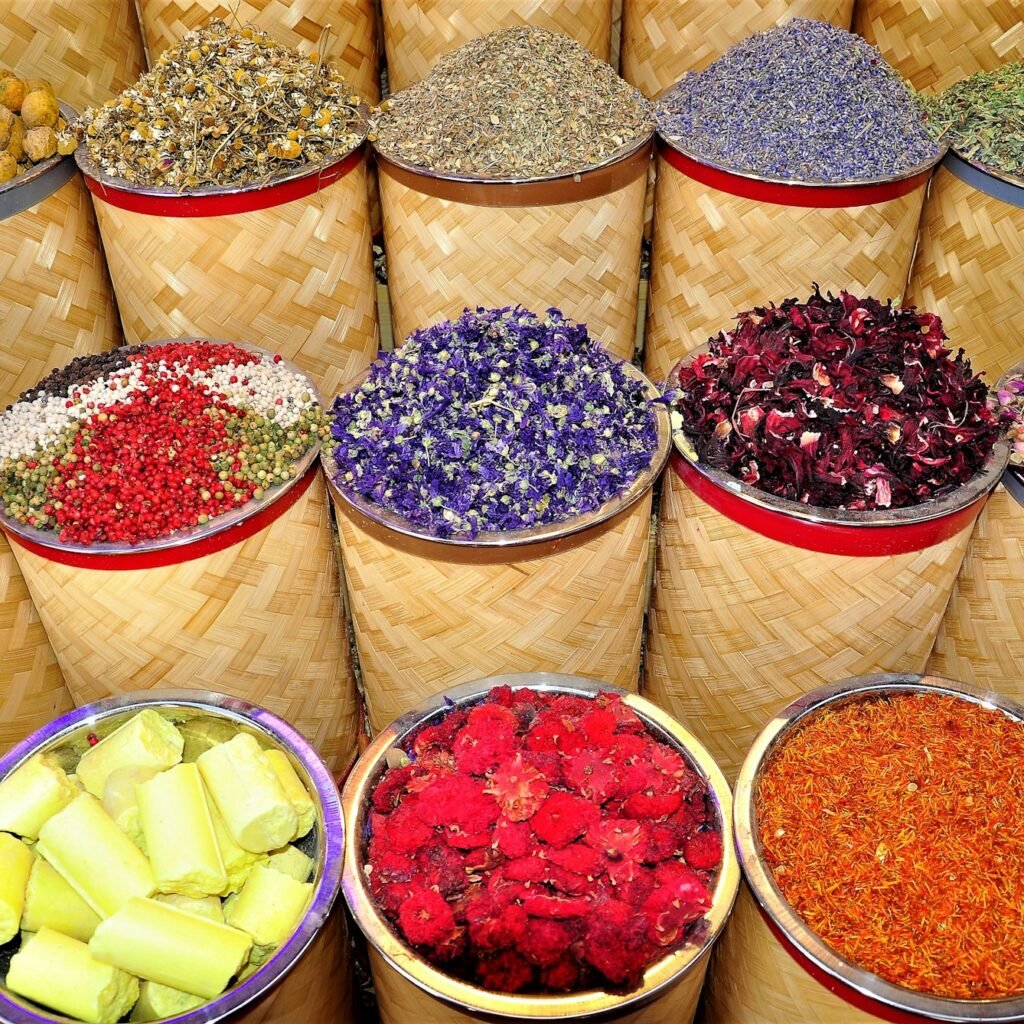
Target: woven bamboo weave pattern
{"x":351,"y":41}
{"x":319,"y":988}
{"x":741,"y":624}
{"x":89,"y":50}
{"x":402,"y":1001}
{"x":296,"y":278}
{"x":583,"y":257}
{"x":615,"y":49}
{"x":262,"y":620}
{"x":716,"y":254}
{"x":417,"y":32}
{"x":55,"y":297}
{"x":981,"y":639}
{"x":663,"y":39}
{"x":423,"y":624}
{"x":754,"y":980}
{"x":969,"y":270}
{"x":935,"y":45}
{"x":32,"y":690}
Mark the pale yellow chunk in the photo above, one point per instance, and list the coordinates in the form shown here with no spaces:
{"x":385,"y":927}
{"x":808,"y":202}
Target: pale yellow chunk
{"x":158,"y":1001}
{"x":15,"y":866}
{"x":200,"y":734}
{"x":121,"y":802}
{"x":237,"y":862}
{"x":94,"y":856}
{"x":32,"y":795}
{"x":147,"y":740}
{"x":269,"y":907}
{"x":296,"y":791}
{"x":291,"y":861}
{"x":60,"y":973}
{"x":161,"y":943}
{"x":179,"y":835}
{"x":246,"y":790}
{"x":208,"y":906}
{"x":50,"y":902}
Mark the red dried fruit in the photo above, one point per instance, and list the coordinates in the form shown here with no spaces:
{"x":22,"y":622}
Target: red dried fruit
{"x":562,"y":818}
{"x":426,"y":919}
{"x":518,"y":787}
{"x":506,"y":972}
{"x":703,"y":851}
{"x":487,"y":739}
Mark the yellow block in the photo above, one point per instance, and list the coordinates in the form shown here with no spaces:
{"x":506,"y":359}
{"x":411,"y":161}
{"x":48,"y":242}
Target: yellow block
{"x":269,"y":907}
{"x":15,"y":866}
{"x":50,"y":902}
{"x":30,"y":796}
{"x":158,"y":1001}
{"x":296,"y":791}
{"x":146,"y":740}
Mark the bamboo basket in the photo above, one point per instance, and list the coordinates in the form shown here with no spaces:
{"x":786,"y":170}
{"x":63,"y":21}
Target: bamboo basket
{"x":769,"y":967}
{"x":572,"y":241}
{"x":410,"y":989}
{"x":417,"y":32}
{"x":663,"y":39}
{"x":758,"y":600}
{"x":289,"y":262}
{"x":249,"y":604}
{"x":89,"y":50}
{"x":350,"y":26}
{"x":936,"y":45}
{"x":430,"y":613}
{"x":309,"y":977}
{"x":969,"y":267}
{"x":725,"y":242}
{"x":55,"y":303}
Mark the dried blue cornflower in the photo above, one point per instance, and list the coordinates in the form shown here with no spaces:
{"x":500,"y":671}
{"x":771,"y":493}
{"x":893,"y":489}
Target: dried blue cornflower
{"x":499,"y":420}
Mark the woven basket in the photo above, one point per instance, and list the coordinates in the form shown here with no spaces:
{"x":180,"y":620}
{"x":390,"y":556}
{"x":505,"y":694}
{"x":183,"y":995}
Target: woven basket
{"x":89,"y":50}
{"x":724,"y":242}
{"x":289,"y":263}
{"x":663,"y":39}
{"x":571,"y":242}
{"x":969,"y":267}
{"x":248,"y":605}
{"x":769,"y":967}
{"x":417,"y":32}
{"x":351,"y":41}
{"x":429,"y":613}
{"x":935,"y":45}
{"x":758,"y":600}
{"x":409,"y":989}
{"x":310,"y":977}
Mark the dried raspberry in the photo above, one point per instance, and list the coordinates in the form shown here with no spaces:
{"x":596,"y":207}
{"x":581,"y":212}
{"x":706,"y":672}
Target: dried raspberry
{"x":556,"y":907}
{"x":704,"y":850}
{"x":460,"y":840}
{"x":563,"y":818}
{"x":556,"y":734}
{"x":598,"y":725}
{"x":404,"y":830}
{"x":616,"y":943}
{"x":440,"y":735}
{"x":580,"y":859}
{"x":426,"y":919}
{"x":513,"y":838}
{"x":531,"y":868}
{"x":561,"y":977}
{"x":458,"y":801}
{"x":388,"y":791}
{"x":442,"y":868}
{"x":487,"y":739}
{"x":652,"y":807}
{"x":593,"y":775}
{"x":519,"y":788}
{"x":678,"y":899}
{"x":492,"y":928}
{"x":661,"y":844}
{"x":506,"y":972}
{"x":627,"y":720}
{"x":544,"y":942}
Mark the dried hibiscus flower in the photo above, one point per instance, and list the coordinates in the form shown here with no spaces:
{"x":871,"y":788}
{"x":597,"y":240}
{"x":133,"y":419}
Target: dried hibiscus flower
{"x":841,"y":402}
{"x":522,"y":870}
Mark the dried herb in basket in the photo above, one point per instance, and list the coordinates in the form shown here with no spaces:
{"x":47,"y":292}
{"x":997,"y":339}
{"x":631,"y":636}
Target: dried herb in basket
{"x":837,"y":402}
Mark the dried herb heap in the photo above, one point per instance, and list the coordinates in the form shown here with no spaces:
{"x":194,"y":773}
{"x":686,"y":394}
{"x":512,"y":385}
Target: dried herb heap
{"x":521,"y":102}
{"x":838,"y":403}
{"x":499,"y":420}
{"x":894,"y":828}
{"x":981,"y":117}
{"x":31,"y":126}
{"x":543,"y":842}
{"x":1010,"y":410}
{"x":224,"y":108}
{"x":806,"y":101}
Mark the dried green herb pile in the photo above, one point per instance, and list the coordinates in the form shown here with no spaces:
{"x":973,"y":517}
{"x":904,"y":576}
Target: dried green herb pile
{"x":982,"y":117}
{"x":522,"y":102}
{"x":224,"y":108}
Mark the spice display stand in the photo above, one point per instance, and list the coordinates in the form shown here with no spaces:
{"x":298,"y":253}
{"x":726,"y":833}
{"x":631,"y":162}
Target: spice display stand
{"x":663,"y":39}
{"x":249,"y":604}
{"x":725,"y":242}
{"x":89,"y":50}
{"x":430,"y":613}
{"x":758,"y":600}
{"x":410,"y":989}
{"x":344,"y":31}
{"x":934,"y":46}
{"x":418,"y":32}
{"x":310,"y":977}
{"x":289,"y":263}
{"x":969,"y":267}
{"x":571,"y":240}
{"x":769,"y":967}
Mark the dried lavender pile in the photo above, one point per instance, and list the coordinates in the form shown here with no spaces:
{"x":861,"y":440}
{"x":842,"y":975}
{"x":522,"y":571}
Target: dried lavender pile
{"x":519,"y":103}
{"x":982,"y":117}
{"x":499,"y":420}
{"x":806,"y":101}
{"x":224,"y":108}
{"x":838,"y":403}
{"x":1009,"y":406}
